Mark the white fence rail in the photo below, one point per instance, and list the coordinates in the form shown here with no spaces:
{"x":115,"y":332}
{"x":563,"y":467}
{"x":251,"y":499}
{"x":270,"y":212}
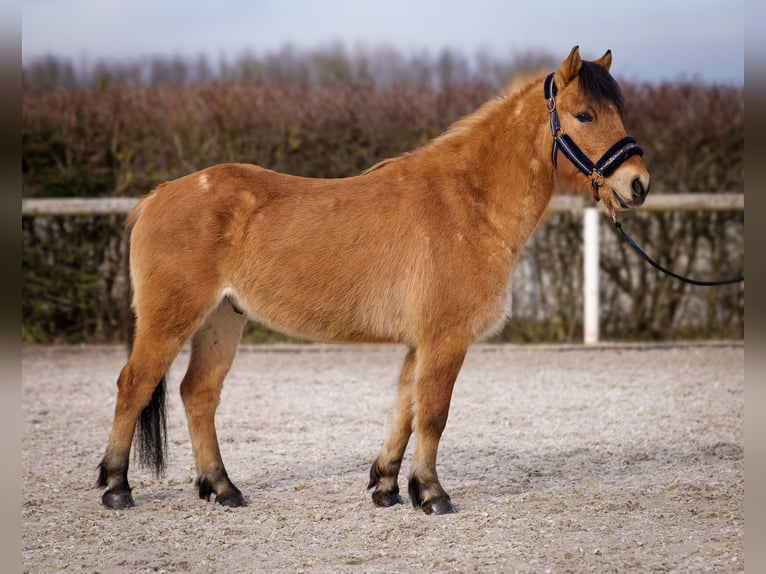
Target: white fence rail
{"x":561,"y":203}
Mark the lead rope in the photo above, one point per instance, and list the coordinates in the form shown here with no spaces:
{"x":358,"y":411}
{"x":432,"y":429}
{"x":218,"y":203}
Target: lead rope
{"x":666,"y":271}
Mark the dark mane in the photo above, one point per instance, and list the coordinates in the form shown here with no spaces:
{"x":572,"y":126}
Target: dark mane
{"x":596,"y":83}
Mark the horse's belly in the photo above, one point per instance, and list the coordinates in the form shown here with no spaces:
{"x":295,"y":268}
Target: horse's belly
{"x":318,"y":315}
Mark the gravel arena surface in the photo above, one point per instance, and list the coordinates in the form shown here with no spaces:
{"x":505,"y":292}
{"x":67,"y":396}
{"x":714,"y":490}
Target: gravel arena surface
{"x":619,"y":458}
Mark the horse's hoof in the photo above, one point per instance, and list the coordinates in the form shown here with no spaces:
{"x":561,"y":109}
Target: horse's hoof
{"x":232,"y":499}
{"x":386,"y":499}
{"x":117,"y":500}
{"x":441,"y":505}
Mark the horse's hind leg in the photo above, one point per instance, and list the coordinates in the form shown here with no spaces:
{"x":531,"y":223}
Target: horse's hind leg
{"x":168,"y":311}
{"x":384,"y":473}
{"x":140,"y":388}
{"x":435,"y":374}
{"x":212,"y":352}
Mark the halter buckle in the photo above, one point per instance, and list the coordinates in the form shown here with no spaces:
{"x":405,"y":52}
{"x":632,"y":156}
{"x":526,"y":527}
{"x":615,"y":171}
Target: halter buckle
{"x":597,"y":177}
{"x":551,"y":105}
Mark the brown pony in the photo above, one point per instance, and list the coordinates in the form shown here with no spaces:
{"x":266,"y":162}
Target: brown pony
{"x":417,"y":250}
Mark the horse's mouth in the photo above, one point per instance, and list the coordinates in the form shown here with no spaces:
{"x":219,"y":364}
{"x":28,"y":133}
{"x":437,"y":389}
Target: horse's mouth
{"x":623,"y":204}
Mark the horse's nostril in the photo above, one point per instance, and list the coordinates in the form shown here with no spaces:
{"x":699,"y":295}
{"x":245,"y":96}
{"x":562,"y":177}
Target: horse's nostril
{"x":638,"y":188}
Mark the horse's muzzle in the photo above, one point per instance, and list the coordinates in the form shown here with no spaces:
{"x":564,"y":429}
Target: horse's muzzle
{"x":638,"y":193}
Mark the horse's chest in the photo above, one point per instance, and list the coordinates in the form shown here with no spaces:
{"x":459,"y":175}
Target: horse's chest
{"x":483,"y":294}
{"x":491,"y":316}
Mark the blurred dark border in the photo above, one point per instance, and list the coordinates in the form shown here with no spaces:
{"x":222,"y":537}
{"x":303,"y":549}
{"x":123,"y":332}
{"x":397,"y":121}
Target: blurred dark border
{"x":755,"y":325}
{"x":10,"y":286}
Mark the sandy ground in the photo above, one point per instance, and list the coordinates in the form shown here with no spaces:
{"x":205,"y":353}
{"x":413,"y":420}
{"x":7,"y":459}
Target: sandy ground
{"x":559,"y":459}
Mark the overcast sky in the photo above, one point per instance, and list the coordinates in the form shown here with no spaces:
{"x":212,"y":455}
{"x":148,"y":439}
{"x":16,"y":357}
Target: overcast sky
{"x":651,"y":40}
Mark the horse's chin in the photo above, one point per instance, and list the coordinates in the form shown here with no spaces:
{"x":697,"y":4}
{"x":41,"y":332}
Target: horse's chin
{"x":619,"y":203}
{"x":614,"y":202}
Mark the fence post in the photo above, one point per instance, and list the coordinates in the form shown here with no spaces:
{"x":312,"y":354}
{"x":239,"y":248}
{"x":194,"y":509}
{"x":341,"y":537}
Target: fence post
{"x":590,"y":275}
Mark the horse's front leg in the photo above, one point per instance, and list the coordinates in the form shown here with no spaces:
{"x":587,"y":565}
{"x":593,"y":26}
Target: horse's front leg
{"x":384,"y":473}
{"x":436,"y":371}
{"x":212,"y":352}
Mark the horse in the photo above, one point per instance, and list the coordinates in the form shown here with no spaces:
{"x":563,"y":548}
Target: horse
{"x":417,"y":250}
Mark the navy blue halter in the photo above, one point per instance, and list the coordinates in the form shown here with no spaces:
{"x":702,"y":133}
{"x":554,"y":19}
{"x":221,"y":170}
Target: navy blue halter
{"x":608,"y":162}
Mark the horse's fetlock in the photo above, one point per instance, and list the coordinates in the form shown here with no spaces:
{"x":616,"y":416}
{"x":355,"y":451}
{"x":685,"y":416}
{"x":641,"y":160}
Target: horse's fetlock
{"x":379,"y":472}
{"x":112,"y":471}
{"x":415,"y":488}
{"x":209,"y":483}
{"x":217,"y":483}
{"x":204,"y":488}
{"x":101,"y":481}
{"x":118,"y":494}
{"x":384,"y":476}
{"x":385,"y":482}
{"x":375,"y":473}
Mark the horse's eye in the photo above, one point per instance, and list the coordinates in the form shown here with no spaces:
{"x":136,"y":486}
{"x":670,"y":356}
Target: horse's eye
{"x":584,"y":117}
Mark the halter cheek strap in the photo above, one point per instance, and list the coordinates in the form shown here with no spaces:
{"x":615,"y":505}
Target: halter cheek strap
{"x":607,"y":163}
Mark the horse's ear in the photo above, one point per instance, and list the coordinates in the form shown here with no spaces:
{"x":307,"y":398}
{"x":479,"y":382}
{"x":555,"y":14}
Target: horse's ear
{"x":570,"y":67}
{"x":605,"y":61}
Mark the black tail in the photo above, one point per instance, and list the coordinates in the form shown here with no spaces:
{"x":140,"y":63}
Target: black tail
{"x":151,"y":432}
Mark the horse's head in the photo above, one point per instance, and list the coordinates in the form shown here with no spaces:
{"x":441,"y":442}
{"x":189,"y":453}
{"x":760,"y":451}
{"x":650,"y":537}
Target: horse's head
{"x":586,"y":116}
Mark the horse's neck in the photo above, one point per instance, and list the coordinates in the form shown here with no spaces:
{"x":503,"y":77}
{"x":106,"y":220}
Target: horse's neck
{"x":502,"y":149}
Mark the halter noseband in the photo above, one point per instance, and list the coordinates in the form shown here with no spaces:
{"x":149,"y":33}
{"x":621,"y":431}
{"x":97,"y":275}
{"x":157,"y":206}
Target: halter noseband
{"x":608,"y":162}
